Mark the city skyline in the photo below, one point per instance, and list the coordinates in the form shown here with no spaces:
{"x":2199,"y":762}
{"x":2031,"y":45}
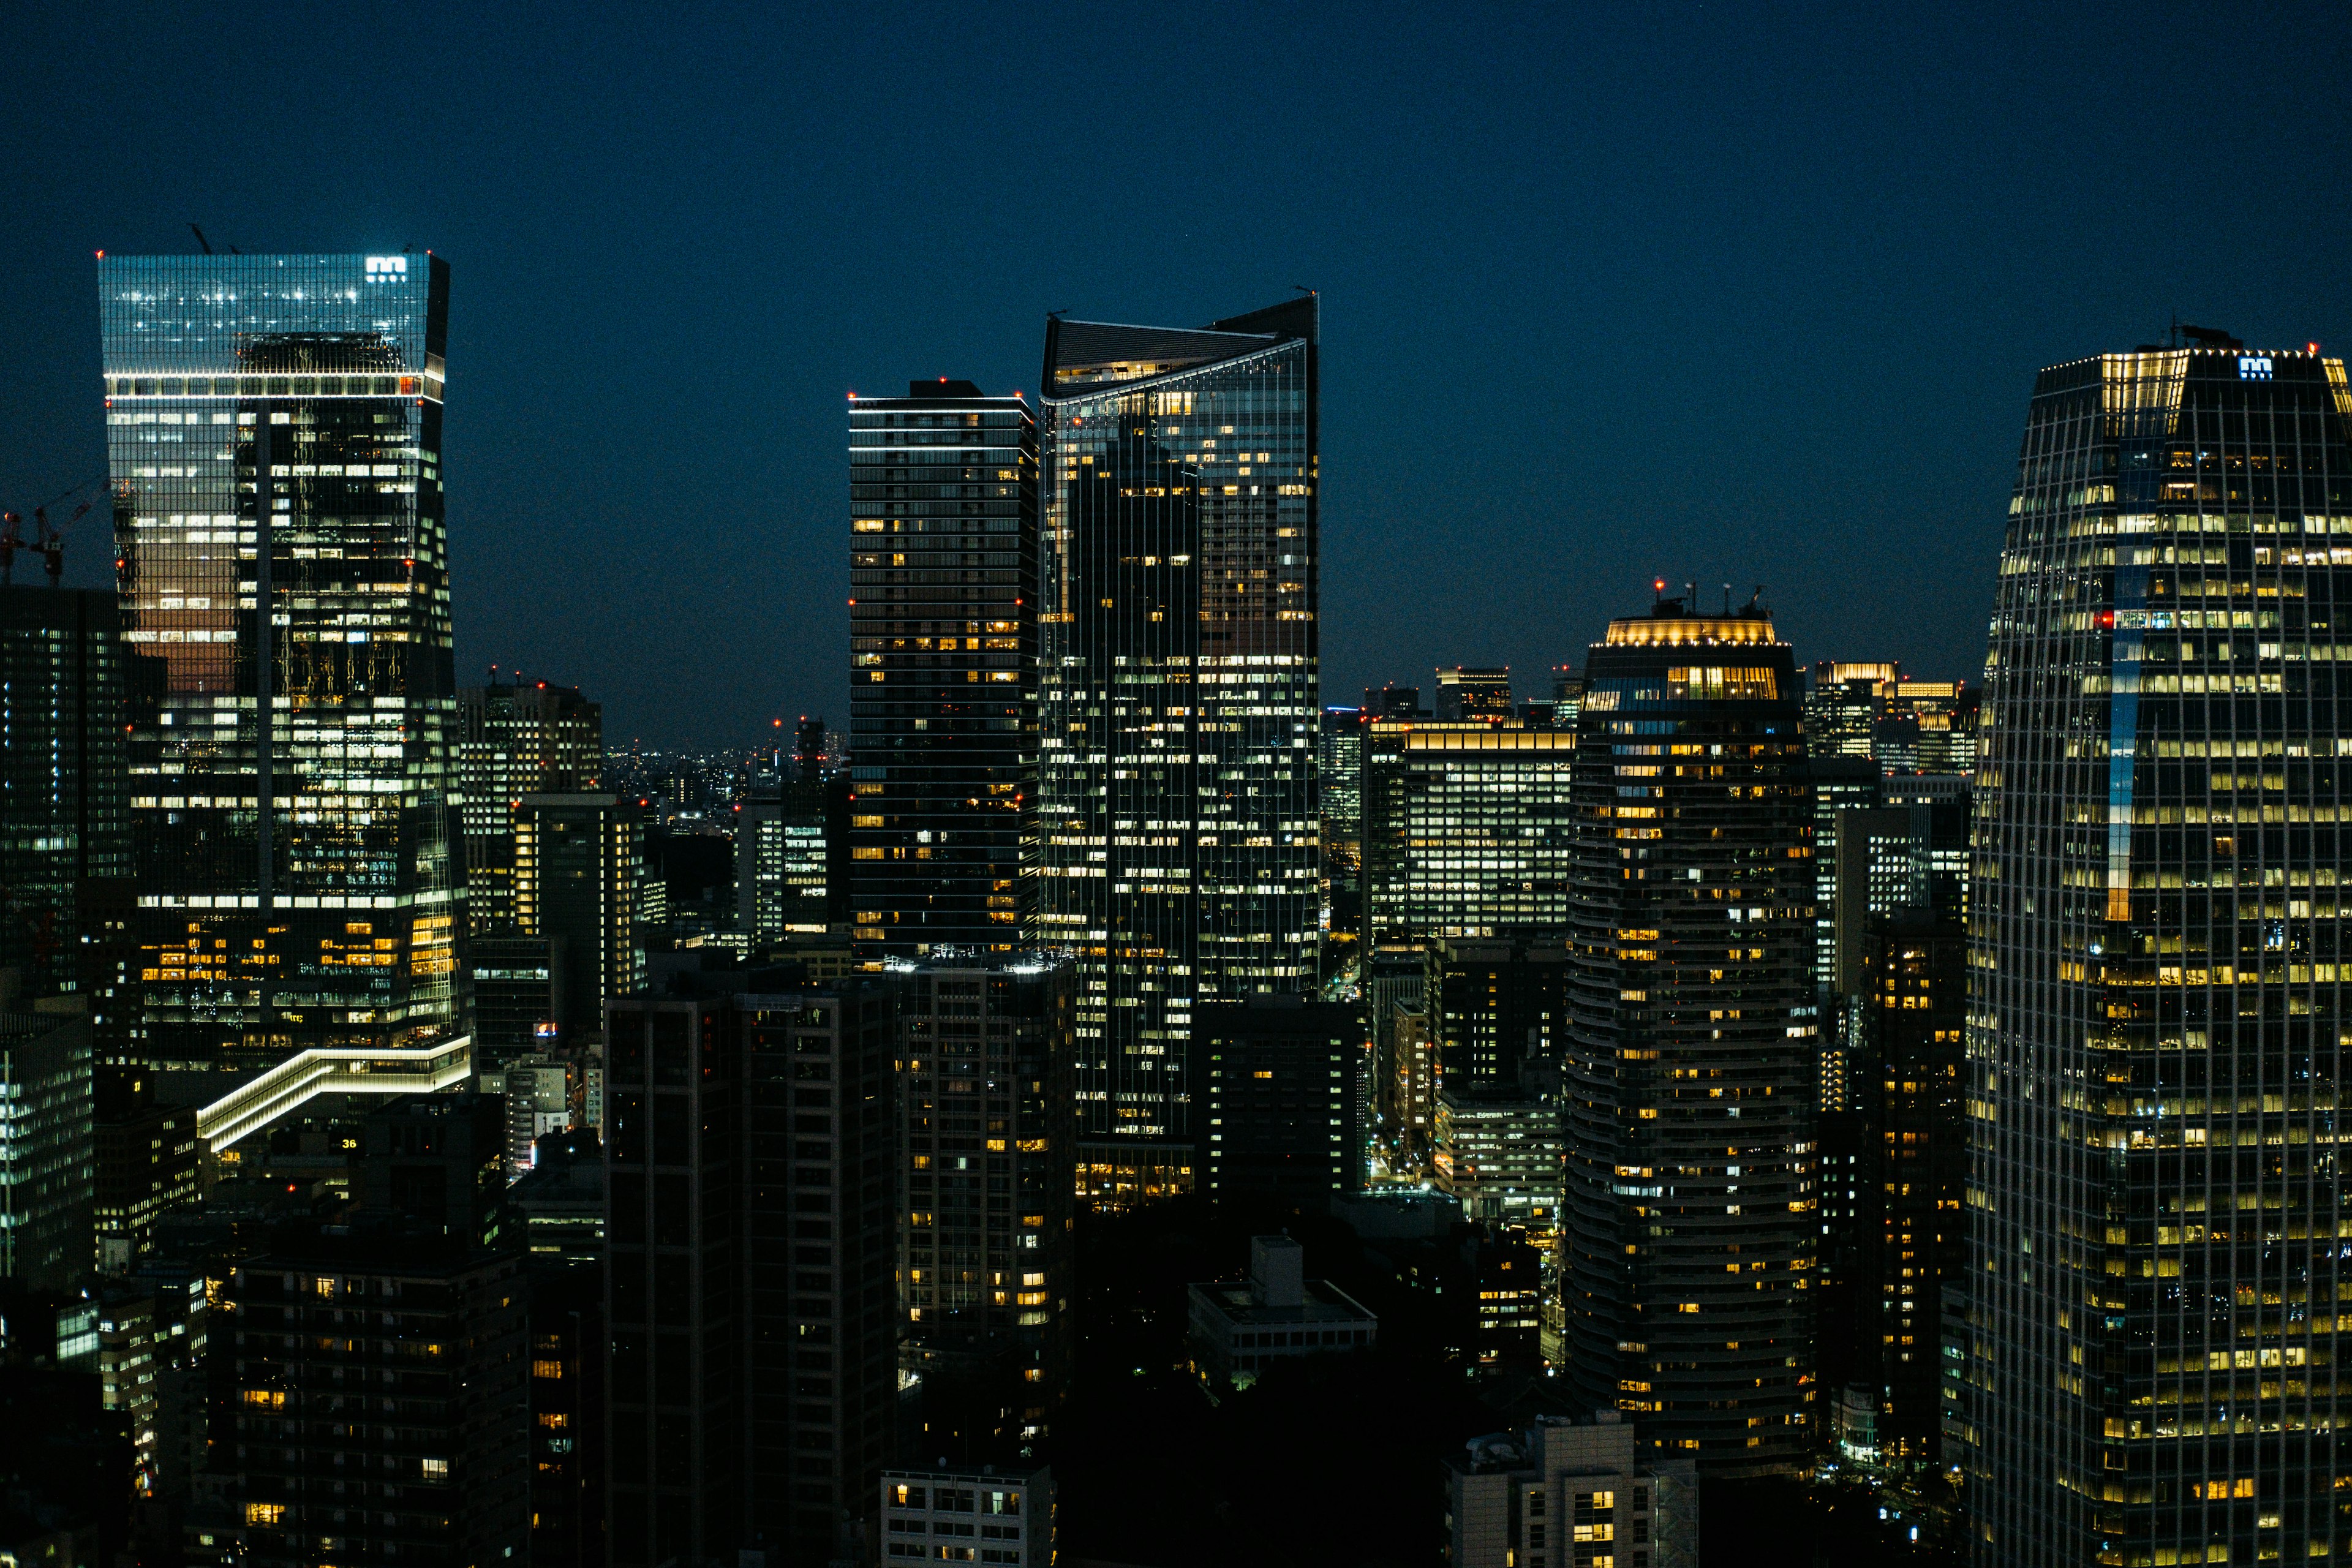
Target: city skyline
{"x":1593,"y":212}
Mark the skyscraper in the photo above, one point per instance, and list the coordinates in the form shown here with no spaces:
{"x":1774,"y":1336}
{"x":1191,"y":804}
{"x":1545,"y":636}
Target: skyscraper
{"x":1179,"y":837}
{"x":513,"y":739}
{"x":943,"y":718}
{"x":1467,"y":693}
{"x":2155,"y":1033}
{"x":1690,"y":1063}
{"x":65,"y":804}
{"x":274,"y":437}
{"x":578,"y":870}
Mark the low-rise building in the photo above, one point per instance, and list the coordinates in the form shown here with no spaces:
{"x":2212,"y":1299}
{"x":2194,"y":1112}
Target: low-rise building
{"x":1237,"y":1331}
{"x":966,"y":1516}
{"x":1568,"y":1494}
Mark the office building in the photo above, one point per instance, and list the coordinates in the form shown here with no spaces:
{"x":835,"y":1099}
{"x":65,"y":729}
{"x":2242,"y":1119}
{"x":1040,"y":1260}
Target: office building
{"x":784,"y":852}
{"x":431,"y":1462}
{"x":538,"y":1095}
{"x":1500,"y":1154}
{"x":514,"y":995}
{"x":1392,"y":979}
{"x":1497,"y":1012}
{"x":274,"y":438}
{"x":1339,"y":763}
{"x":1467,"y":830}
{"x":579,"y":877}
{"x":1395,"y":702}
{"x":1842,"y":706}
{"x":1281,"y":1082}
{"x":1472,"y":696}
{"x":752,"y":1371}
{"x":1565,"y":1494}
{"x":2153,"y":1019}
{"x":1237,"y":1332}
{"x":145,"y":1155}
{"x":1180,"y":848}
{"x":943,"y":637}
{"x":1925,"y":726}
{"x":46,"y":1176}
{"x":567,"y":1388}
{"x":65,"y":780}
{"x":967,"y":1515}
{"x":559,"y":1202}
{"x":514,"y":738}
{"x":1840,"y":783}
{"x":1567,"y":695}
{"x":1690,"y":1206}
{"x":988,"y":1140}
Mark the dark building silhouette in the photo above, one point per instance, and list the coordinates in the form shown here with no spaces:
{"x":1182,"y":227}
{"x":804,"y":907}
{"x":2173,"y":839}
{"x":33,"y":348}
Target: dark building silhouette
{"x":752,"y":1330}
{"x":145,"y":1159}
{"x":989,"y":1133}
{"x":65,"y":775}
{"x":1691,"y":1059}
{"x":943,"y":683}
{"x":1282,"y":1082}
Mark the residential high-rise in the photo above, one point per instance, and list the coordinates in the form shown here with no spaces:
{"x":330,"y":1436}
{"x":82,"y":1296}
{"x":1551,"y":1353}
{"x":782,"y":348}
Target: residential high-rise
{"x":1691,"y":1054}
{"x":944,"y":628}
{"x":516,"y":738}
{"x":2155,"y":1033}
{"x":752,"y":1368}
{"x":1180,"y":843}
{"x":1470,"y":695}
{"x":578,"y":874}
{"x":65,"y":779}
{"x":274,"y":438}
{"x":987,"y":1255}
{"x":1467,"y":830}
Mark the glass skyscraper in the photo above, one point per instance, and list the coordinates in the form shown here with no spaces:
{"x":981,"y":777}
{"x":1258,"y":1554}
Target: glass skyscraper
{"x":274,"y":434}
{"x":1688,"y":1090}
{"x":1180,"y":850}
{"x":2157,"y":1029}
{"x":943,"y":679}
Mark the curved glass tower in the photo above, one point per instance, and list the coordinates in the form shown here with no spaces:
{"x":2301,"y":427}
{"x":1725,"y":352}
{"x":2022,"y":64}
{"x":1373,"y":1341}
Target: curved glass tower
{"x":1691,"y":1222}
{"x":2157,"y":1034}
{"x":274,"y":436}
{"x":1180,"y":845}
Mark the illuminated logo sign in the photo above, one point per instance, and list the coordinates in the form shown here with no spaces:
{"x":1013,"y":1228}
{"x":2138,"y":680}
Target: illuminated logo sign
{"x":388,"y":267}
{"x":2254,"y":367}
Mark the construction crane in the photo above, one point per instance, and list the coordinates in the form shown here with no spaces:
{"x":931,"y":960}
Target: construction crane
{"x":48,"y":538}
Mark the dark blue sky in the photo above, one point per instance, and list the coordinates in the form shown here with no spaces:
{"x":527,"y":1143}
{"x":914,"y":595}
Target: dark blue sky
{"x":1701,"y":291}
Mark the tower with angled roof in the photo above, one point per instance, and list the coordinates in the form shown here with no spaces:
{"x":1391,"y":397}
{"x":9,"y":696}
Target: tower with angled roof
{"x":1179,"y":847}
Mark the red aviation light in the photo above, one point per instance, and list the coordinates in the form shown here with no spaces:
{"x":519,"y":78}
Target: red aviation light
{"x":2106,"y":620}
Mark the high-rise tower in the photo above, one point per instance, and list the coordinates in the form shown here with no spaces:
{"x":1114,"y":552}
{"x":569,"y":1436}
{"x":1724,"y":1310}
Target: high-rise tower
{"x":943,"y":629}
{"x":274,"y":434}
{"x":515,"y":740}
{"x":2157,"y":1039}
{"x":1178,"y":852}
{"x":1688,"y":1089}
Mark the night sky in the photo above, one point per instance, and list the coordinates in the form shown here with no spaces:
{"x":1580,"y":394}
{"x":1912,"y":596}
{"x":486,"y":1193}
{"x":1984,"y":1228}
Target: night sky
{"x":1711,"y":292}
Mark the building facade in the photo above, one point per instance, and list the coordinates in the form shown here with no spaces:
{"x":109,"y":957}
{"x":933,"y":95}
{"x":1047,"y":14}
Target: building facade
{"x":988,"y":1137}
{"x":2155,"y":1021}
{"x":516,"y":738}
{"x":47,"y":1179}
{"x":1282,"y":1083}
{"x":274,"y":439}
{"x":1690,"y":1208}
{"x":65,"y":776}
{"x":1180,"y":850}
{"x":1467,"y":830}
{"x":965,"y":1516}
{"x":943,"y":683}
{"x":1569,"y":1495}
{"x":579,"y":875}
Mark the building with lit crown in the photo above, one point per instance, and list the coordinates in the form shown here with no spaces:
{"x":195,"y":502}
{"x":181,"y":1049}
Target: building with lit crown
{"x":1180,"y":850}
{"x":1690,"y":1066}
{"x":2156,"y":1020}
{"x":274,"y":439}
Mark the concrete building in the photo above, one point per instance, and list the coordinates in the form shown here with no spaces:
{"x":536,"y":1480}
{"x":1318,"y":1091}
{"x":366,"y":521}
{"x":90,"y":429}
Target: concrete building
{"x":1501,"y":1155}
{"x":966,"y":1516}
{"x":1238,"y":1331}
{"x":1570,"y":1495}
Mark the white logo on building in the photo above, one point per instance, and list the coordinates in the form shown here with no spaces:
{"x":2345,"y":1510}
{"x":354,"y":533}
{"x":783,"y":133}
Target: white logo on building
{"x":393,"y":266}
{"x":2254,"y":367}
